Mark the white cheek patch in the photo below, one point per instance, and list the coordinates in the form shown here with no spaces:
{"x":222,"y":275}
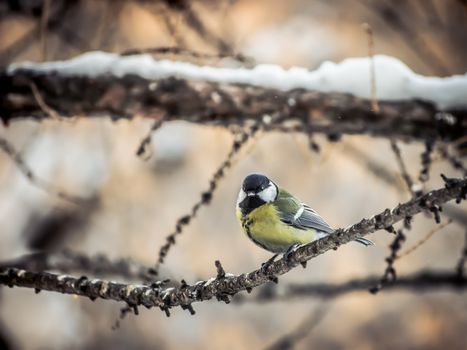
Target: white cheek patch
{"x":241,"y":196}
{"x":268,"y":194}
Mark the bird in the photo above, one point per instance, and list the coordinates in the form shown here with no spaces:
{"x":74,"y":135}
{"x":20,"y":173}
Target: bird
{"x":276,"y":220}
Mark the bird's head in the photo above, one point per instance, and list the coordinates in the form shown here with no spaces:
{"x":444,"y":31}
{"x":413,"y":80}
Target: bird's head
{"x":256,"y":191}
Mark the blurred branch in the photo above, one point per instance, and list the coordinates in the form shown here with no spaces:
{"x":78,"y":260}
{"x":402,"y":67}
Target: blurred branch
{"x":371,"y":48}
{"x":374,"y":166}
{"x":143,"y":150}
{"x":289,"y":341}
{"x":193,"y":21}
{"x":43,"y":27}
{"x":456,"y":214}
{"x":69,"y":261}
{"x":240,"y":139}
{"x":403,"y":169}
{"x":225,"y":285}
{"x":175,"y":50}
{"x":426,"y":161}
{"x":455,"y":162}
{"x":211,"y":103}
{"x":54,"y":21}
{"x":462,"y":260}
{"x":400,"y":18}
{"x":16,"y":157}
{"x":389,"y":274}
{"x":425,"y":239}
{"x":417,"y":282}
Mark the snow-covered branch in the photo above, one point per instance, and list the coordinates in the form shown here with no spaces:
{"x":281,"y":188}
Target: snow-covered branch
{"x":333,"y":99}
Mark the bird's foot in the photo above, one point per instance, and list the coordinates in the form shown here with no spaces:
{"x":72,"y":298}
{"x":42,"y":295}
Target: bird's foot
{"x":288,"y":253}
{"x":265,"y":266}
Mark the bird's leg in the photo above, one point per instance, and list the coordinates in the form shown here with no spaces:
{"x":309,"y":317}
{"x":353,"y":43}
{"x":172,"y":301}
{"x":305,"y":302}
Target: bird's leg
{"x":288,"y":253}
{"x":265,"y":266}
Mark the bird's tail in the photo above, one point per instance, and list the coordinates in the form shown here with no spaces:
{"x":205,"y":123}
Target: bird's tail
{"x":364,"y":241}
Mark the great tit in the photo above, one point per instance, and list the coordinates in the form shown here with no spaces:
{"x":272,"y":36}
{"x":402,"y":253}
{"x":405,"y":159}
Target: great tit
{"x":277,"y":221}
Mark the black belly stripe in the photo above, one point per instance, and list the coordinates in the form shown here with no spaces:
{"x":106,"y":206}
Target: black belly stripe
{"x":246,"y":222}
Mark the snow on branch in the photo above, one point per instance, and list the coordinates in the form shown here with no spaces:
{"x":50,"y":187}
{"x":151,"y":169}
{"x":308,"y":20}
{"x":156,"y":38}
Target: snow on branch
{"x":394,"y":80}
{"x":332,"y":99}
{"x":225,"y":285}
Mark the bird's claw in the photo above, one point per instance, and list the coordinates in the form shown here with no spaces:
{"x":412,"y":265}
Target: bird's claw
{"x":288,"y":253}
{"x":265,"y":266}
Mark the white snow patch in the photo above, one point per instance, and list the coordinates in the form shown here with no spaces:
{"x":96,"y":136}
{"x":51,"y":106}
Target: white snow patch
{"x":209,"y":281}
{"x":394,"y":80}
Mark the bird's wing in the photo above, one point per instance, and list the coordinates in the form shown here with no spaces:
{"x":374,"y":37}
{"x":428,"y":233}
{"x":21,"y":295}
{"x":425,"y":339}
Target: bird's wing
{"x":299,"y":215}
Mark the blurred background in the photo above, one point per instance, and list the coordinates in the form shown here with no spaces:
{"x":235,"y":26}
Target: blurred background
{"x":134,"y":203}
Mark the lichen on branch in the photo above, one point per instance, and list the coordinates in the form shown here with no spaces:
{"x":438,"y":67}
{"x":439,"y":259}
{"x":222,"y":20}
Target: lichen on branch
{"x":225,"y":285}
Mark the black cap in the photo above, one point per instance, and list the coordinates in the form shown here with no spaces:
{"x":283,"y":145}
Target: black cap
{"x":255,"y":183}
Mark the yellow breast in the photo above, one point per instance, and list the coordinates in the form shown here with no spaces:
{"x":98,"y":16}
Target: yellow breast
{"x":264,"y":227}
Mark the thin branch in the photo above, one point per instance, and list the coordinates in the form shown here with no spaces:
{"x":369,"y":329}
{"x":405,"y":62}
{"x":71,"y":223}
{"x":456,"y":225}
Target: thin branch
{"x":68,"y":261}
{"x":371,"y":47}
{"x":240,"y":139}
{"x":426,"y":280}
{"x":423,"y":240}
{"x":454,"y":161}
{"x":224,"y":287}
{"x":43,"y":25}
{"x":373,"y":166}
{"x":16,"y":157}
{"x":142,"y":150}
{"x":403,"y":169}
{"x":176,"y":50}
{"x":305,"y":328}
{"x":389,"y":274}
{"x":462,"y":260}
{"x":41,"y":103}
{"x":193,"y":20}
{"x":426,"y":161}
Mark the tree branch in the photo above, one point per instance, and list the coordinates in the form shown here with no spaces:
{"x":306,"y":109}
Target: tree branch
{"x":225,"y":285}
{"x":420,"y":281}
{"x":70,"y":261}
{"x":223,"y":104}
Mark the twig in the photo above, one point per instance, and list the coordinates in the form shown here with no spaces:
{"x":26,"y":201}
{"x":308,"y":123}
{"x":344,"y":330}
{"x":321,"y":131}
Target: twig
{"x":40,"y":101}
{"x":123,"y":312}
{"x":425,"y":280}
{"x":376,"y":168}
{"x":455,"y":162}
{"x":423,"y":240}
{"x":142,"y":150}
{"x":426,"y":161}
{"x":371,"y":45}
{"x":401,"y":20}
{"x":194,"y":22}
{"x":462,"y":260}
{"x":389,"y":274}
{"x":44,"y":25}
{"x":8,"y":148}
{"x":239,"y":141}
{"x":305,"y":328}
{"x":403,"y":169}
{"x":70,"y":261}
{"x":312,"y":144}
{"x":175,"y":50}
{"x":166,"y":298}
